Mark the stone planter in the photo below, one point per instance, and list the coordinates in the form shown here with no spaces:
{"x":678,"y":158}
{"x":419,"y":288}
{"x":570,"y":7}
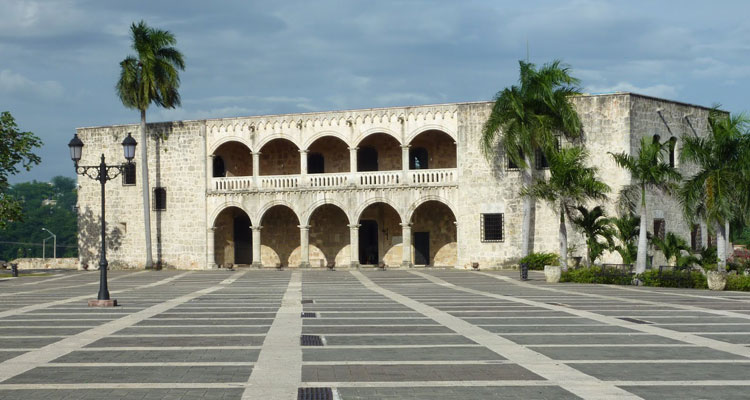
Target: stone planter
{"x":716,"y":280}
{"x":552,"y":273}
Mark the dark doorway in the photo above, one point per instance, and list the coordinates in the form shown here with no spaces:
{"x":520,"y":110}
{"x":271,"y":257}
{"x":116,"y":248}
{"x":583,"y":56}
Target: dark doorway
{"x":422,"y":248}
{"x":368,"y":242}
{"x":418,"y":158}
{"x":367,"y":159}
{"x":243,"y":240}
{"x":315,"y":163}
{"x":219,"y":169}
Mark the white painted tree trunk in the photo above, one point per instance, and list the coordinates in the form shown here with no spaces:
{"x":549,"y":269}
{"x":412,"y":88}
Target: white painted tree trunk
{"x":528,"y":205}
{"x":563,"y":241}
{"x":640,"y":263}
{"x":721,"y":247}
{"x":146,"y":189}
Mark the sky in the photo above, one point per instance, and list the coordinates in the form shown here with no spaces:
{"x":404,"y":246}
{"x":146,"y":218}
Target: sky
{"x":59,"y":59}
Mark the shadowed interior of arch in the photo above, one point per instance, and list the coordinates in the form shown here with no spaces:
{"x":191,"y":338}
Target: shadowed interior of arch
{"x":328,"y":155}
{"x":434,"y":234}
{"x":280,"y":243}
{"x":233,"y":238}
{"x":329,"y":236}
{"x":432,"y":149}
{"x":279,"y":157}
{"x":380,"y":235}
{"x":378,"y":152}
{"x":232,"y":159}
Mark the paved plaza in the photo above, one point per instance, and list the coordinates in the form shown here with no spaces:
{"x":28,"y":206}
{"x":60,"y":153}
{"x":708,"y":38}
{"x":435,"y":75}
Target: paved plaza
{"x":367,"y":334}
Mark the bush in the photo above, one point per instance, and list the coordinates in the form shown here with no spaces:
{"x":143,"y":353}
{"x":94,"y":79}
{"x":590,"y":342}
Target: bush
{"x":678,"y":279}
{"x":537,"y":261}
{"x":738,"y":282}
{"x":595,"y":275}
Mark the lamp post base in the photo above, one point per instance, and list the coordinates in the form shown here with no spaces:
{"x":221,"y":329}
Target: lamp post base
{"x":102,"y":303}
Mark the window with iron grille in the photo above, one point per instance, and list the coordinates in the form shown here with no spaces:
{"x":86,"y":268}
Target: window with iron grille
{"x":128,"y":174}
{"x":160,"y":199}
{"x":492,"y":227}
{"x":659,"y":228}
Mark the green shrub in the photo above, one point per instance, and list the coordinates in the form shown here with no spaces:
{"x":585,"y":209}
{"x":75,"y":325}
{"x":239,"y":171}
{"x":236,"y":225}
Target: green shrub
{"x":681,"y":279}
{"x":595,"y":275}
{"x":537,"y":261}
{"x":738,"y":282}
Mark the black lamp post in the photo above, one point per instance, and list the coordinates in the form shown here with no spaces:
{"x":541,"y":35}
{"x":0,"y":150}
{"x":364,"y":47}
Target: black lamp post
{"x":101,"y":173}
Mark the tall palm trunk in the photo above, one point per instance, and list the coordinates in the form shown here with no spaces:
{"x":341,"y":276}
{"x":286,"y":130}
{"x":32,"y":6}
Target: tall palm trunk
{"x":721,"y":246}
{"x":640,"y":263}
{"x":563,"y":240}
{"x":146,"y":189}
{"x":528,"y":207}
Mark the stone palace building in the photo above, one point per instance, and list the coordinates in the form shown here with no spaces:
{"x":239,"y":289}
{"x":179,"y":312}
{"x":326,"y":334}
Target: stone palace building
{"x":406,"y":186}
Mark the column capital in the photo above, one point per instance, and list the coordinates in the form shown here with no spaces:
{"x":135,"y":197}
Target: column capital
{"x":405,"y":146}
{"x":353,"y":226}
{"x":303,"y":151}
{"x":255,"y":153}
{"x":303,"y":227}
{"x":211,"y":228}
{"x":405,"y":224}
{"x":256,"y":228}
{"x":353,"y":148}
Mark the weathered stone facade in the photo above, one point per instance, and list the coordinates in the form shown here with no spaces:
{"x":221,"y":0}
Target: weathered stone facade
{"x":367,"y":205}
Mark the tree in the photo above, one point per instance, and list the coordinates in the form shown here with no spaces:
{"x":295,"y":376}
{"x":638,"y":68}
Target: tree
{"x":16,"y":149}
{"x":718,"y":193}
{"x":673,"y":246}
{"x":595,"y":225}
{"x":151,"y":76}
{"x":647,"y":171}
{"x":571,"y":183}
{"x":526,"y":118}
{"x":626,"y":229}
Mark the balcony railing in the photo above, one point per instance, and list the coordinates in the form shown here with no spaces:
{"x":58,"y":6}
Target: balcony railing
{"x":425,"y":177}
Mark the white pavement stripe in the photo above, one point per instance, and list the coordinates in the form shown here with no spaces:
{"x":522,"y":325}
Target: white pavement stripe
{"x":654,"y":330}
{"x":72,"y":286}
{"x":497,"y":362}
{"x":276,"y":374}
{"x":33,"y":359}
{"x":41,"y":306}
{"x":576,"y":382}
{"x":151,"y":364}
{"x":169,"y":348}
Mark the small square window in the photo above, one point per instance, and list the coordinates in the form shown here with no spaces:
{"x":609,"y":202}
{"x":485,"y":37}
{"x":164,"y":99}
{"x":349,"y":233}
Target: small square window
{"x":492,"y":228}
{"x":128,"y":174}
{"x":160,"y":198}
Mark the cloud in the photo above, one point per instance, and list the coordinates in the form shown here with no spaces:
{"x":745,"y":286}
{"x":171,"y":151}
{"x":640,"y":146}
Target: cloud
{"x":659,"y":90}
{"x":15,"y":84}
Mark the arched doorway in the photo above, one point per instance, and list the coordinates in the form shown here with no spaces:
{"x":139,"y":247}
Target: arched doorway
{"x":233,"y":239}
{"x":434,"y":235}
{"x":379,"y":235}
{"x":329,"y":236}
{"x":280,"y":243}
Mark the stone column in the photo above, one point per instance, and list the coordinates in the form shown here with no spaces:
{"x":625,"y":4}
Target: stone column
{"x":458,"y":246}
{"x":354,"y":245}
{"x":303,"y":167}
{"x":406,"y":246}
{"x":304,"y":243}
{"x":209,"y":172}
{"x":256,"y":169}
{"x":353,"y":165}
{"x":405,"y":164}
{"x":256,"y":247}
{"x":210,"y":255}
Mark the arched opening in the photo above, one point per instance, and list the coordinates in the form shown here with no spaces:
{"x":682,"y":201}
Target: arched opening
{"x":672,"y":150}
{"x":280,"y":237}
{"x":219,"y":170}
{"x":279,"y":157}
{"x":233,"y":239}
{"x":379,"y":235}
{"x":434,"y":235}
{"x":379,"y":152}
{"x":656,"y":139}
{"x":232,"y":159}
{"x":328,"y":155}
{"x":432,"y":149}
{"x":329,"y":236}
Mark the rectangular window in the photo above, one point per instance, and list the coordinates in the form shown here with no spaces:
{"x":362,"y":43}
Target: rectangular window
{"x":696,"y":240}
{"x":492,"y":228}
{"x":540,"y":159}
{"x":659,"y":228}
{"x":128,"y":174}
{"x":511,"y":164}
{"x":160,"y":199}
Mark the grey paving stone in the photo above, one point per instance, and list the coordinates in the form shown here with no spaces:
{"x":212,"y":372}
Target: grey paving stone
{"x":178,"y":341}
{"x":455,"y":393}
{"x":635,"y":353}
{"x":556,"y":329}
{"x":374,"y":329}
{"x":130,"y":356}
{"x":7,"y":355}
{"x":178,"y":330}
{"x":118,"y":394}
{"x":400,"y":354}
{"x":520,"y":338}
{"x":414,"y":372}
{"x":690,"y":392}
{"x":386,"y":340}
{"x":666,"y":372}
{"x":140,"y":374}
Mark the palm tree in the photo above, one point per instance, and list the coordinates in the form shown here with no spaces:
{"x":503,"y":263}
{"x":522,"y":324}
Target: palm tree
{"x":526,"y":118}
{"x":149,"y":77}
{"x":571,"y":183}
{"x":647,"y":172}
{"x":723,"y":160}
{"x":673,"y":246}
{"x":595,"y":225}
{"x":626,"y":229}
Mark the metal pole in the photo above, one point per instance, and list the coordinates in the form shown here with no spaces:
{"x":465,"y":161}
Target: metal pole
{"x":103,"y":290}
{"x":44,"y":246}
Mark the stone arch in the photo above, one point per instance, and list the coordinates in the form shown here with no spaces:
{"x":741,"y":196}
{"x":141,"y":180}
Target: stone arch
{"x":363,"y":135}
{"x":305,"y":217}
{"x":328,"y":153}
{"x":264,"y":141}
{"x":431,"y":149}
{"x":262,"y":211}
{"x":322,"y":134}
{"x":329,"y":235}
{"x":225,"y":139}
{"x":425,"y":199}
{"x":281,"y":224}
{"x":236,"y":157}
{"x":218,"y":209}
{"x":379,"y":233}
{"x":279,"y":156}
{"x":430,"y":127}
{"x":435,"y":234}
{"x":232,"y":242}
{"x":358,"y":212}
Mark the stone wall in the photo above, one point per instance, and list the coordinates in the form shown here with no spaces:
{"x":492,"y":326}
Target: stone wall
{"x":279,"y":157}
{"x":389,"y":151}
{"x":280,"y":237}
{"x":237,"y":159}
{"x":441,"y":148}
{"x":329,"y":236}
{"x":437,"y":219}
{"x":335,"y":154}
{"x":46,"y":263}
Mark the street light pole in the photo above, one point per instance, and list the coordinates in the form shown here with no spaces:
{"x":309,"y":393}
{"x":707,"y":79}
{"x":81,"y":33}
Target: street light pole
{"x":54,"y":243}
{"x":102,"y":173}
